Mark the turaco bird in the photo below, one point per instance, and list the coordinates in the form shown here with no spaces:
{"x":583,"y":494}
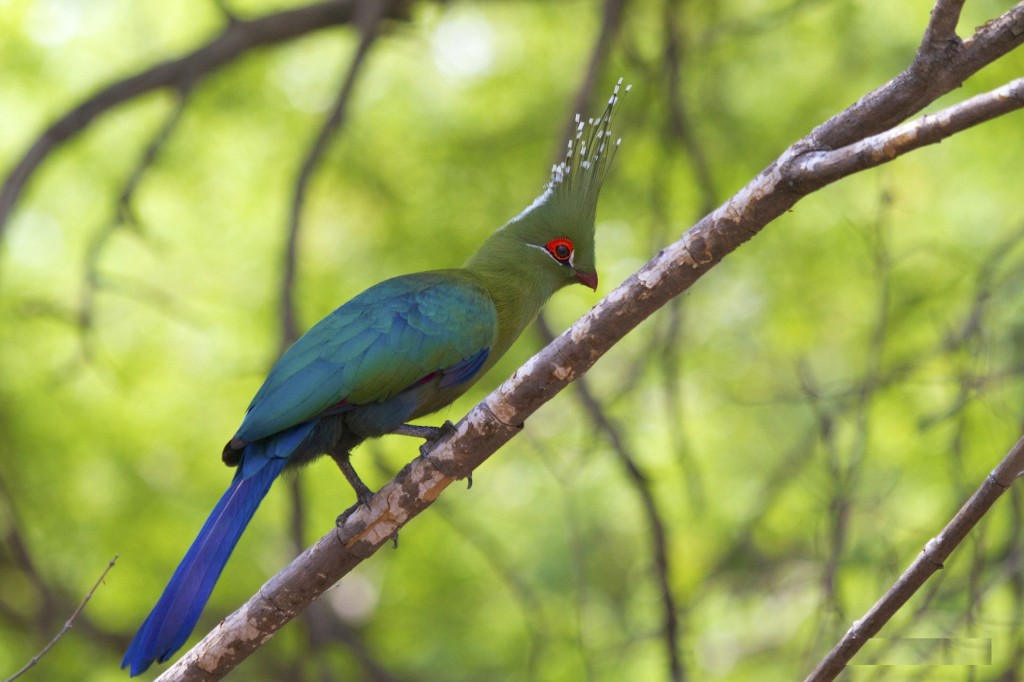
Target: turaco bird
{"x":400,"y":350}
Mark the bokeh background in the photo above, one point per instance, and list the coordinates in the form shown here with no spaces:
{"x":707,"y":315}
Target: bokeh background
{"x":792,"y":430}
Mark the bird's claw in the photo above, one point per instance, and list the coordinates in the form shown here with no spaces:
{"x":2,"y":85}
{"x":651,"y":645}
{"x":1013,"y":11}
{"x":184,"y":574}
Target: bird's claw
{"x":343,"y":516}
{"x":429,"y":434}
{"x":444,"y":429}
{"x":363,"y":497}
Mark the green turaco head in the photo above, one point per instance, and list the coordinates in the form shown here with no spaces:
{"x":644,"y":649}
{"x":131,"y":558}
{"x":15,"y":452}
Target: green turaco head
{"x":552,"y":240}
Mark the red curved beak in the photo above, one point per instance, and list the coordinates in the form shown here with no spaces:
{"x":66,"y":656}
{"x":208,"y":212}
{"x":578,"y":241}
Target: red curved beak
{"x":587,"y":278}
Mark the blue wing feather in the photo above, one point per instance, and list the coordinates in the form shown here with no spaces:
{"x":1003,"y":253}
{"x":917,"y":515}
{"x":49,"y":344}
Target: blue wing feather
{"x":377,"y":345}
{"x":463,"y":371}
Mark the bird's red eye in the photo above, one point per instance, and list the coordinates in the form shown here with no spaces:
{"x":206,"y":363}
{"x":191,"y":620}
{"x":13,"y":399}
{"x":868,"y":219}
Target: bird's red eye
{"x":560,"y":249}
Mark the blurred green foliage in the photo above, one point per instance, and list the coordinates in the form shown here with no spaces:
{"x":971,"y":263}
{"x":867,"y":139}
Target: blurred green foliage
{"x":807,"y":417}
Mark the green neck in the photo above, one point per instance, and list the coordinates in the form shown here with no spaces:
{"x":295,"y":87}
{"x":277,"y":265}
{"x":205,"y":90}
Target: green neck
{"x":507,"y":267}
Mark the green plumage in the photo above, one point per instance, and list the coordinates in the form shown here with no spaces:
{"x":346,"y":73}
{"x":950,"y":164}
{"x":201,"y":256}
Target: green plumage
{"x":401,"y":349}
{"x":411,"y":345}
{"x":413,"y":313}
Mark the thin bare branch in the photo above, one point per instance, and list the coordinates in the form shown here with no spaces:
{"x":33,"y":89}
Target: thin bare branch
{"x":931,"y":559}
{"x":929,"y":129}
{"x":679,"y":124}
{"x":68,"y":624}
{"x":229,"y":15}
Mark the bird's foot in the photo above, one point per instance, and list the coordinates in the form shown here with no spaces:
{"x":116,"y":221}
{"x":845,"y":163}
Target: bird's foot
{"x":363,"y":496}
{"x":430,"y":435}
{"x":343,"y":516}
{"x":363,"y":493}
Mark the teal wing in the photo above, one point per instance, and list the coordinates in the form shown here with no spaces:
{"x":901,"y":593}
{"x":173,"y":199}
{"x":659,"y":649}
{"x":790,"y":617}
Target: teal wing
{"x":382,"y":342}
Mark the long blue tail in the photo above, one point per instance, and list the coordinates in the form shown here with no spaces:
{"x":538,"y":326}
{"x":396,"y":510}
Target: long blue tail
{"x":175,"y":615}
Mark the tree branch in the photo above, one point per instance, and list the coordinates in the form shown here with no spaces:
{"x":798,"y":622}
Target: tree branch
{"x":929,"y":129}
{"x":369,"y":14}
{"x":68,"y":624}
{"x":123,"y":215}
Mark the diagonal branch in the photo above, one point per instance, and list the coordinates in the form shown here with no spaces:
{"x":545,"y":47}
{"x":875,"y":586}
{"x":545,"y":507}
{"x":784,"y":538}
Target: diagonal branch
{"x":182,"y":73}
{"x":68,"y":624}
{"x":929,"y":129}
{"x":927,"y":563}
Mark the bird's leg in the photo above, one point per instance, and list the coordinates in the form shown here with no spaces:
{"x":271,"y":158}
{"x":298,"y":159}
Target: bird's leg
{"x":363,"y":493}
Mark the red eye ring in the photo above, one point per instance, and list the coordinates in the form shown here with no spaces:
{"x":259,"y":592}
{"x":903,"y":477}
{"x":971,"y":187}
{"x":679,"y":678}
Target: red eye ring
{"x":560,"y":249}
